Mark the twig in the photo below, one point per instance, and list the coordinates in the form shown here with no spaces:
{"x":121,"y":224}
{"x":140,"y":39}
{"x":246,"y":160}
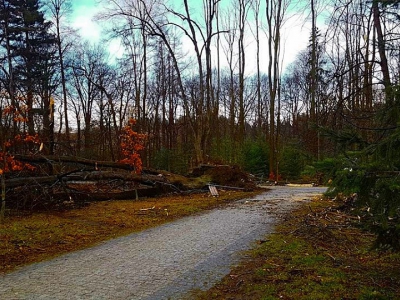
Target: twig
{"x":145,"y":209}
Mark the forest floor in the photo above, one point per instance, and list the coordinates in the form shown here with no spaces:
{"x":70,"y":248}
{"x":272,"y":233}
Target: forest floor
{"x":35,"y":236}
{"x":317,"y":251}
{"x":28,"y":236}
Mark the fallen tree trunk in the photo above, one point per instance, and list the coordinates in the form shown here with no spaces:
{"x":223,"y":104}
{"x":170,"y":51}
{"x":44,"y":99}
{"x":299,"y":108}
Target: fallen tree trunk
{"x":83,"y":185}
{"x":145,"y":179}
{"x":98,"y":170}
{"x":82,"y":176}
{"x":81,"y":180}
{"x":51,"y":159}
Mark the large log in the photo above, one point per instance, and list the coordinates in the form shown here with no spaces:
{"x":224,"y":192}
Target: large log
{"x":51,"y":159}
{"x":148,"y":180}
{"x":45,"y":191}
{"x":83,"y":180}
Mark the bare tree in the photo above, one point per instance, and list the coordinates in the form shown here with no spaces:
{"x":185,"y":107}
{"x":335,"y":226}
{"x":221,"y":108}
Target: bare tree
{"x":60,"y":10}
{"x":229,"y":49}
{"x":386,"y":81}
{"x":255,"y":4}
{"x":89,"y":70}
{"x":243,"y":11}
{"x":275,"y":15}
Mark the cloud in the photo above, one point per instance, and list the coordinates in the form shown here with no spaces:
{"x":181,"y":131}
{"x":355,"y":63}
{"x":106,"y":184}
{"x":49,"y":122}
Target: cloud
{"x":115,"y":49}
{"x":296,"y":35}
{"x":82,"y":19}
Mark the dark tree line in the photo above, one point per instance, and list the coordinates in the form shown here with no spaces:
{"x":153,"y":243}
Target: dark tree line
{"x":184,"y":77}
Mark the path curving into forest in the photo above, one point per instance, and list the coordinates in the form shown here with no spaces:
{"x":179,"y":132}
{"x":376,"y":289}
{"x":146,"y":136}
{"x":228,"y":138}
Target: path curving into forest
{"x":165,"y":262}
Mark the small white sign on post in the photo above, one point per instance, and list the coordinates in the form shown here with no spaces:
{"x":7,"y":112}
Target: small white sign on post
{"x":213,"y":190}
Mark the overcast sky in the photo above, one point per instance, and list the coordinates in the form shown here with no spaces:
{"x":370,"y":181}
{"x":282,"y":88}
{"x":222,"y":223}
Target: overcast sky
{"x":82,"y":18}
{"x":295,"y":39}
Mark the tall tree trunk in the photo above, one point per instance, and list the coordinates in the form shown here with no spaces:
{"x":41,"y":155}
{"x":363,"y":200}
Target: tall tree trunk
{"x":257,"y":35}
{"x":144,"y":96}
{"x":275,"y":11}
{"x":216,"y":105}
{"x":314,"y":82}
{"x":272,"y":87}
{"x":382,"y":50}
{"x":63,"y":80}
{"x":242,"y":64}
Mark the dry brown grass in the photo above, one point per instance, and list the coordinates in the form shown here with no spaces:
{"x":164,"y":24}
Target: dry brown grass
{"x":28,"y":238}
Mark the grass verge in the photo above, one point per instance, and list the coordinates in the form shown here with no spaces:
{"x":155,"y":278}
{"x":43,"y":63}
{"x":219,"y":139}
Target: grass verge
{"x":317,"y":252}
{"x":28,"y":238}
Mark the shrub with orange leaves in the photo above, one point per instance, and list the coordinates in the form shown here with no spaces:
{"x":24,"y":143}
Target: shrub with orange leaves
{"x":10,"y":164}
{"x":131,"y":143}
{"x":7,"y":162}
{"x":27,"y":138}
{"x":17,"y":114}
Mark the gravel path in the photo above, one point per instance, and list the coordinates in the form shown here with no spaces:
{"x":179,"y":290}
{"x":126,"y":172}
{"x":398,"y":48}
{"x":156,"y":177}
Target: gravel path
{"x":165,"y":262}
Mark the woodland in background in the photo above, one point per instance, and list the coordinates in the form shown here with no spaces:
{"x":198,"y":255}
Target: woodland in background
{"x":332,"y":114}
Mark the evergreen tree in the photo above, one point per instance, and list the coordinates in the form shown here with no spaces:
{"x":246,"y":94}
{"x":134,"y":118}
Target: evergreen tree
{"x":30,"y":51}
{"x":8,"y":19}
{"x":9,"y":26}
{"x":370,"y":172}
{"x":35,"y":47}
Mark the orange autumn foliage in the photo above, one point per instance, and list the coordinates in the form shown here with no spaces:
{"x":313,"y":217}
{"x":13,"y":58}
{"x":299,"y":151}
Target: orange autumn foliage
{"x":12,"y":165}
{"x":7,"y":162}
{"x":17,"y":113}
{"x":131,"y":143}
